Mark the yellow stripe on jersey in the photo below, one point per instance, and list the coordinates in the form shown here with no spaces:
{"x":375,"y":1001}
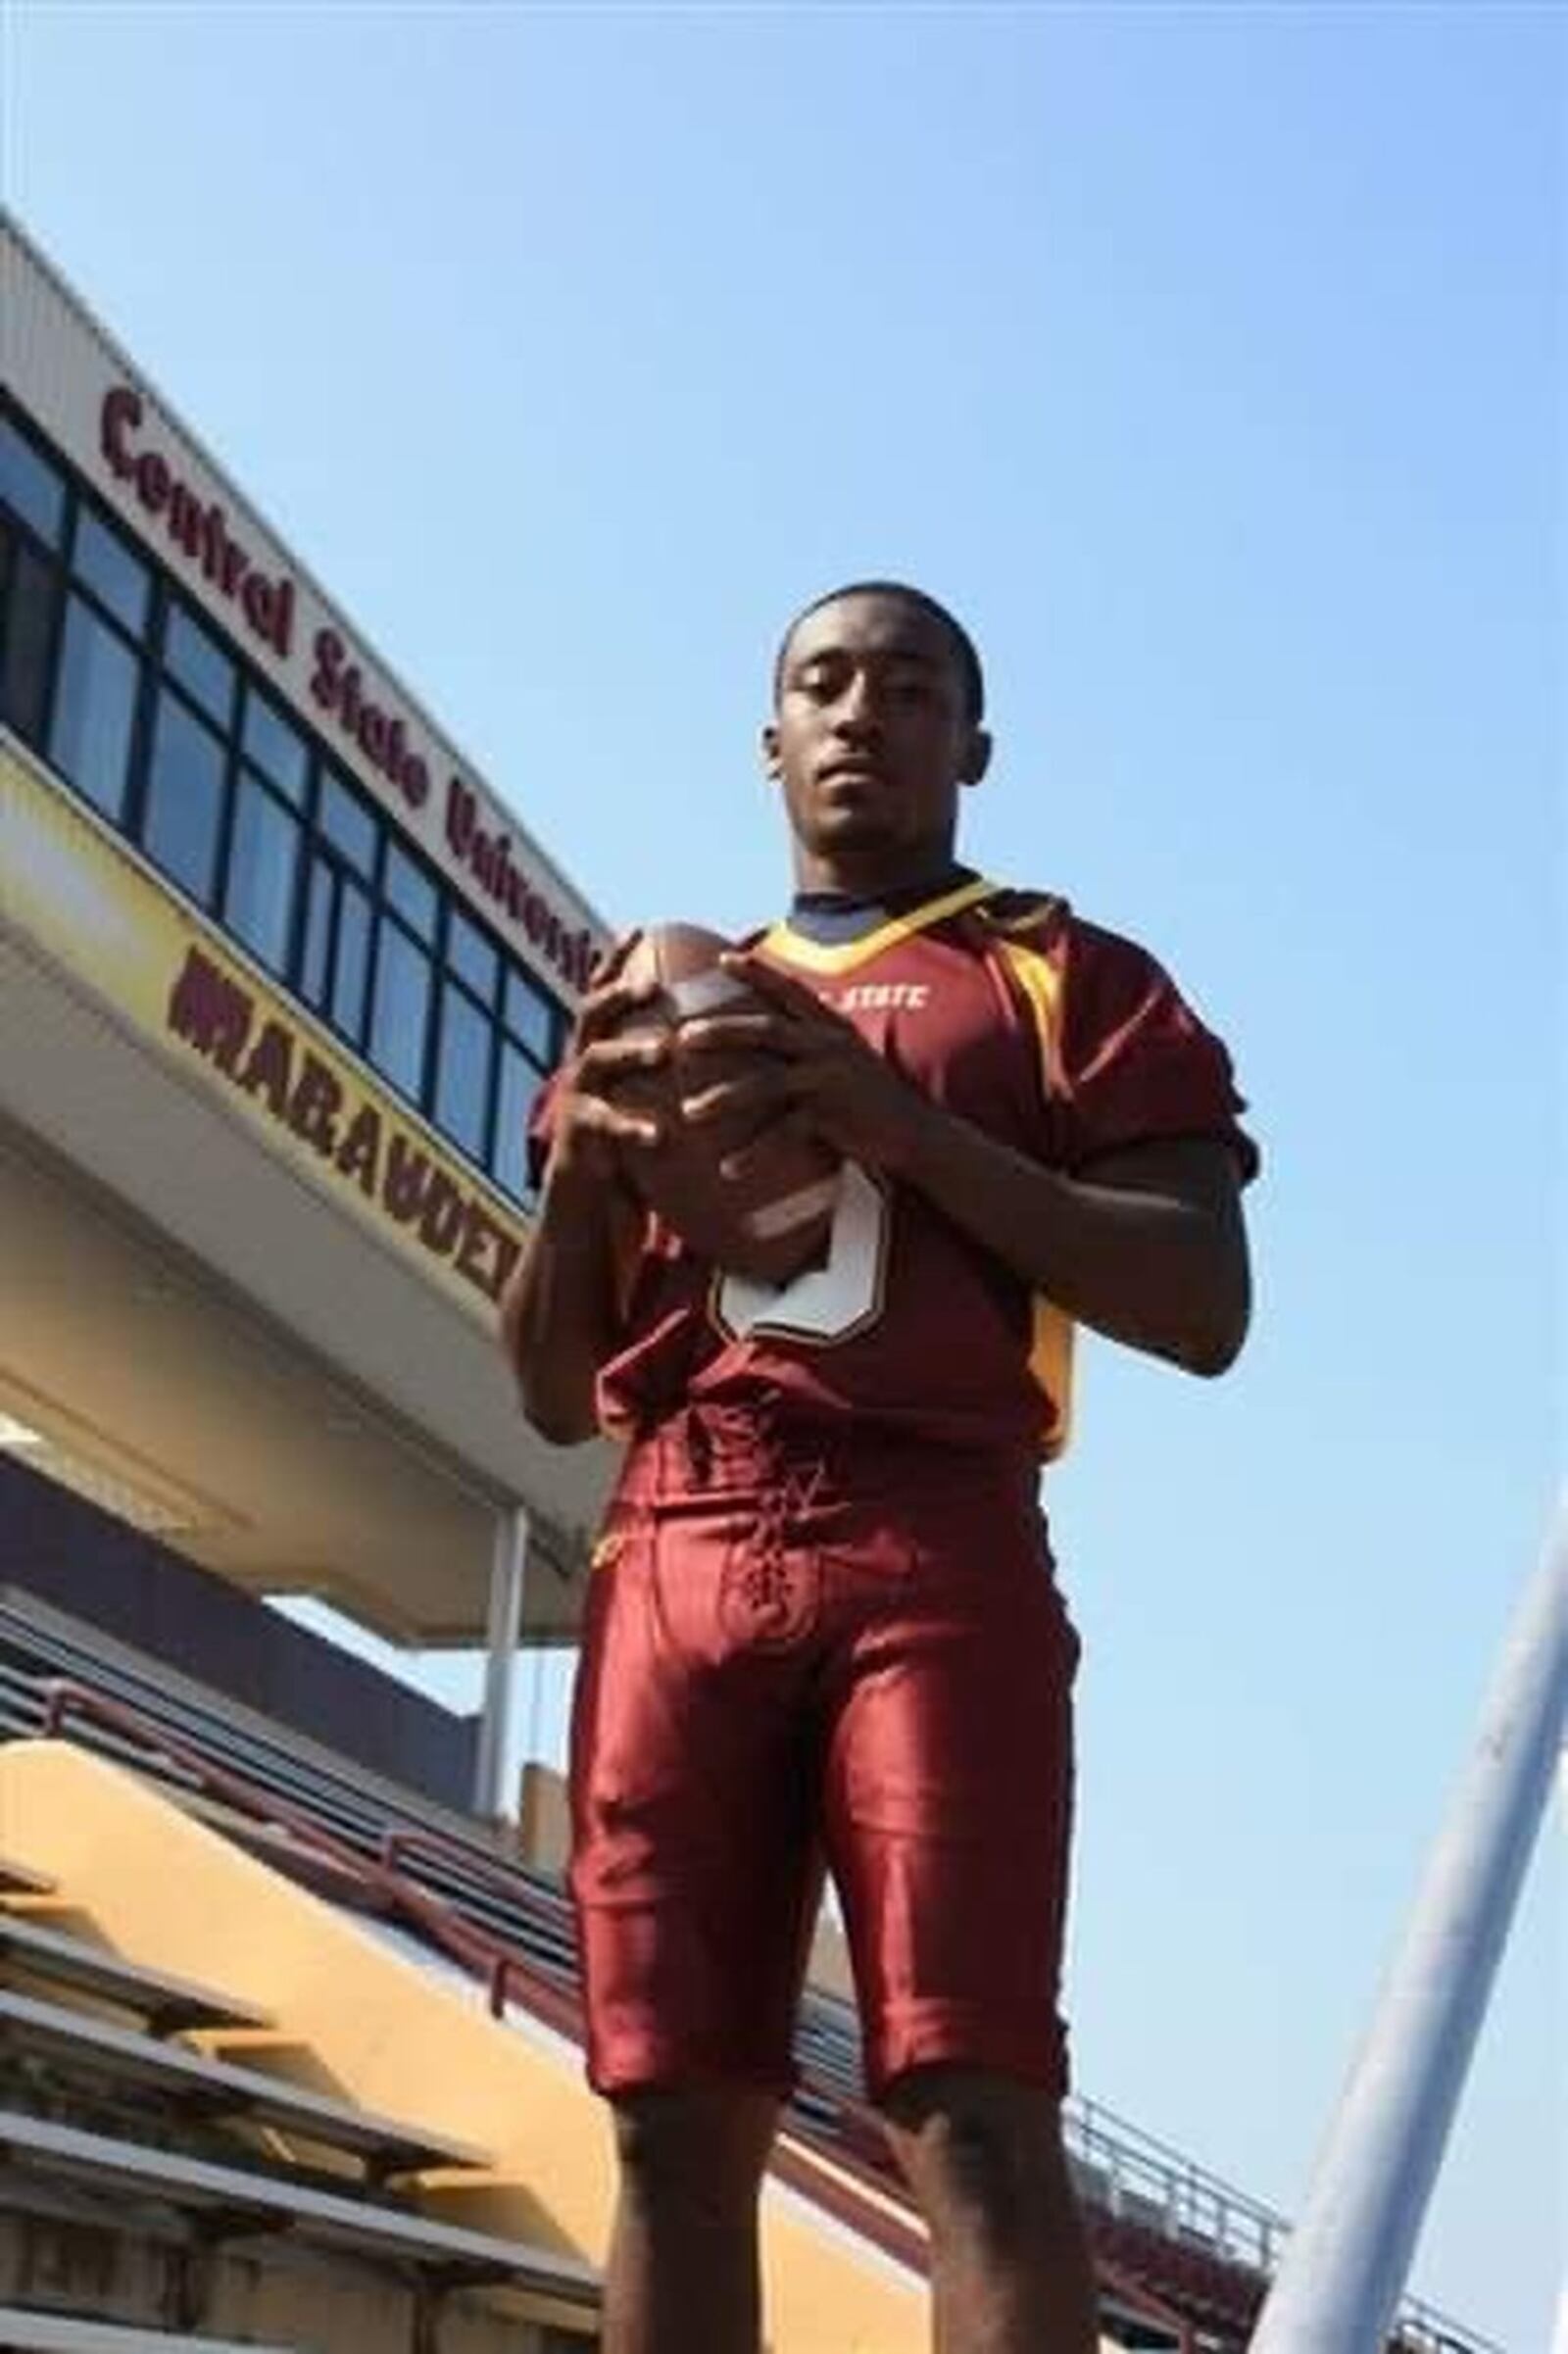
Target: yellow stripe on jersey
{"x":1040,"y":984}
{"x":1050,"y":1370}
{"x":1051,"y":1356}
{"x":816,"y":955}
{"x":1051,"y":1350}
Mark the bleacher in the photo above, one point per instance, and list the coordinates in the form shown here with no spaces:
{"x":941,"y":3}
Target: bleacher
{"x":131,"y":2093}
{"x":26,"y":2331}
{"x":129,"y":2128}
{"x":113,"y":2129}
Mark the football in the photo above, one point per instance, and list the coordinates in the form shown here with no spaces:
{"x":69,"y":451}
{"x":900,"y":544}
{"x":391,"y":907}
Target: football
{"x":769,"y":1224}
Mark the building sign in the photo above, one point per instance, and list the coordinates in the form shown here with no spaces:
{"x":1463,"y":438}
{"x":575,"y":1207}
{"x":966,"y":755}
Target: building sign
{"x":356,"y":1138}
{"x":86,"y":902}
{"x":196,"y":525}
{"x":337,"y":687}
{"x":314,"y":662}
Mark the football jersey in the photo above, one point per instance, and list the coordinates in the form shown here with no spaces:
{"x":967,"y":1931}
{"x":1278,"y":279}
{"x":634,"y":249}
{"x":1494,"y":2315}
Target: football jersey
{"x":1057,"y":1038}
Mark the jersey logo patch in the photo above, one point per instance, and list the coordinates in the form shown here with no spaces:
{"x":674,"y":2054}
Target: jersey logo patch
{"x":883,"y":997}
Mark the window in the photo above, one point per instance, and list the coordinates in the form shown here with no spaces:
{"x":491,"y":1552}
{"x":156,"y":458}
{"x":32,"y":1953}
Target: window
{"x":277,"y":749}
{"x":262,"y":860}
{"x":185,"y":796}
{"x":95,"y":704}
{"x":351,"y":959}
{"x":120,"y":579}
{"x":520,"y":1081}
{"x":346,"y":821}
{"x":28,"y":624}
{"x":335,"y":961}
{"x":531,"y":1014}
{"x":195,"y":657}
{"x":263,"y":854}
{"x":317,"y":933}
{"x":529,"y":1054}
{"x":30,"y":485}
{"x":463,"y":1069}
{"x":401,"y":1013}
{"x":411,"y":890}
{"x":471,"y":955}
{"x":135,"y":695}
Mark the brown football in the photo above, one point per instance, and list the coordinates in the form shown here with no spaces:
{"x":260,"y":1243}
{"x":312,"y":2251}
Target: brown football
{"x":771,"y":1223}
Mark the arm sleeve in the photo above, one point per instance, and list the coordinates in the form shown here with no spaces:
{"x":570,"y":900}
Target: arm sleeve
{"x":1133,"y":1061}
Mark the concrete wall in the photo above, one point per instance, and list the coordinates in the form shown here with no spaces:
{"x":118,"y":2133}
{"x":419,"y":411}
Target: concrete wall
{"x":56,"y":1545}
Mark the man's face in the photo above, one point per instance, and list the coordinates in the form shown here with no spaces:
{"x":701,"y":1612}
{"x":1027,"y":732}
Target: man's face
{"x":871,"y":739}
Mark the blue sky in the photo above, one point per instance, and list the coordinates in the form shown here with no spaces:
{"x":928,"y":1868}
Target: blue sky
{"x":1211,"y":363}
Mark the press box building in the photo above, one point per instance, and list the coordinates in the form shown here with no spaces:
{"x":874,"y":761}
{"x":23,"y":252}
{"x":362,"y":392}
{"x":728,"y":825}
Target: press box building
{"x":281,"y":979}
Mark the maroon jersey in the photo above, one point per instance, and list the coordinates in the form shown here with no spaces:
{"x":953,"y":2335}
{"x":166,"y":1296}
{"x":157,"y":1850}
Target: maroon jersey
{"x":1056,"y":1037}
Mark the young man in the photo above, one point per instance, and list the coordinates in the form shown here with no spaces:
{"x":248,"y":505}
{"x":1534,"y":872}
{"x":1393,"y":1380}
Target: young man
{"x":822,"y":1623}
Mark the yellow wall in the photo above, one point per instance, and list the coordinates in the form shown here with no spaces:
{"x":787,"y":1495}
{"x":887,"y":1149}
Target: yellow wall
{"x":94,"y":907}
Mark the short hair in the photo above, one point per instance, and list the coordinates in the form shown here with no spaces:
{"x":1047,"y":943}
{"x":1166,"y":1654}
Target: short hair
{"x":972,"y":675}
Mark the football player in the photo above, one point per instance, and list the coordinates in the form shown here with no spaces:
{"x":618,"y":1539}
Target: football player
{"x":824,"y":1629}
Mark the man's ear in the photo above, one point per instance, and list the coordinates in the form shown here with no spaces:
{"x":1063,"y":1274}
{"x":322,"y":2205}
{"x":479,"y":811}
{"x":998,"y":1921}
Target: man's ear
{"x":771,"y":753}
{"x":977,"y":757}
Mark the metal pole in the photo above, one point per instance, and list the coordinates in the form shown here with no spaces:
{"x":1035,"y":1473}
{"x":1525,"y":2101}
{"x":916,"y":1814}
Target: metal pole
{"x":1347,"y":2260}
{"x":1559,"y":2334}
{"x":509,"y":1563}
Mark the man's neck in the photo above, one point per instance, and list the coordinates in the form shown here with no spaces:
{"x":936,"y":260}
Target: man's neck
{"x":834,"y":917}
{"x":875,"y":877}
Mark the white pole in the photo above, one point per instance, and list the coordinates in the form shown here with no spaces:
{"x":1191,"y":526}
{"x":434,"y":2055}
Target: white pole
{"x":1346,"y":2263}
{"x":1559,"y":2333}
{"x":508,"y":1565}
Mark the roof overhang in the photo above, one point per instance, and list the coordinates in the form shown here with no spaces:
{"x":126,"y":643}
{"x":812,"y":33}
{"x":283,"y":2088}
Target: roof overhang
{"x":298,"y":1362}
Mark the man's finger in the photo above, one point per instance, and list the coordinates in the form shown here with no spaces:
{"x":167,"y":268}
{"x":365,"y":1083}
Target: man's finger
{"x":612,"y":1004}
{"x":611,"y":1058}
{"x":607,"y":1120}
{"x":712,"y":1033}
{"x":603,"y":1014}
{"x":780,"y":988}
{"x":614,"y":961}
{"x":749,"y":1098}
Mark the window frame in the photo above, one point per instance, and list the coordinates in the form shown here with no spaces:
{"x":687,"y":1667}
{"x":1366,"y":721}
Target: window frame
{"x":446,"y":978}
{"x":12,"y":414}
{"x":384,"y":916}
{"x":67,"y":589}
{"x":245,"y":776}
{"x":254,"y":689}
{"x":162,"y":684}
{"x":81,"y":509}
{"x":16,"y":542}
{"x":318,"y":851}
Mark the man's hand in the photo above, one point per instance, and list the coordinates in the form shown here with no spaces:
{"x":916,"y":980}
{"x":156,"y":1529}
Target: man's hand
{"x":806,"y":1068}
{"x":595,"y":1134}
{"x":561,"y":1317}
{"x":1147,"y":1247}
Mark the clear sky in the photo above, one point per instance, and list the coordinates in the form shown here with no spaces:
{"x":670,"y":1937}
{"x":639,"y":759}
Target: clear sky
{"x":1211,"y":364}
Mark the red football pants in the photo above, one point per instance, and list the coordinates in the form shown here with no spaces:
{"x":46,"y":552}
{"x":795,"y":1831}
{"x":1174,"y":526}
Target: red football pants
{"x":793,"y":1658}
